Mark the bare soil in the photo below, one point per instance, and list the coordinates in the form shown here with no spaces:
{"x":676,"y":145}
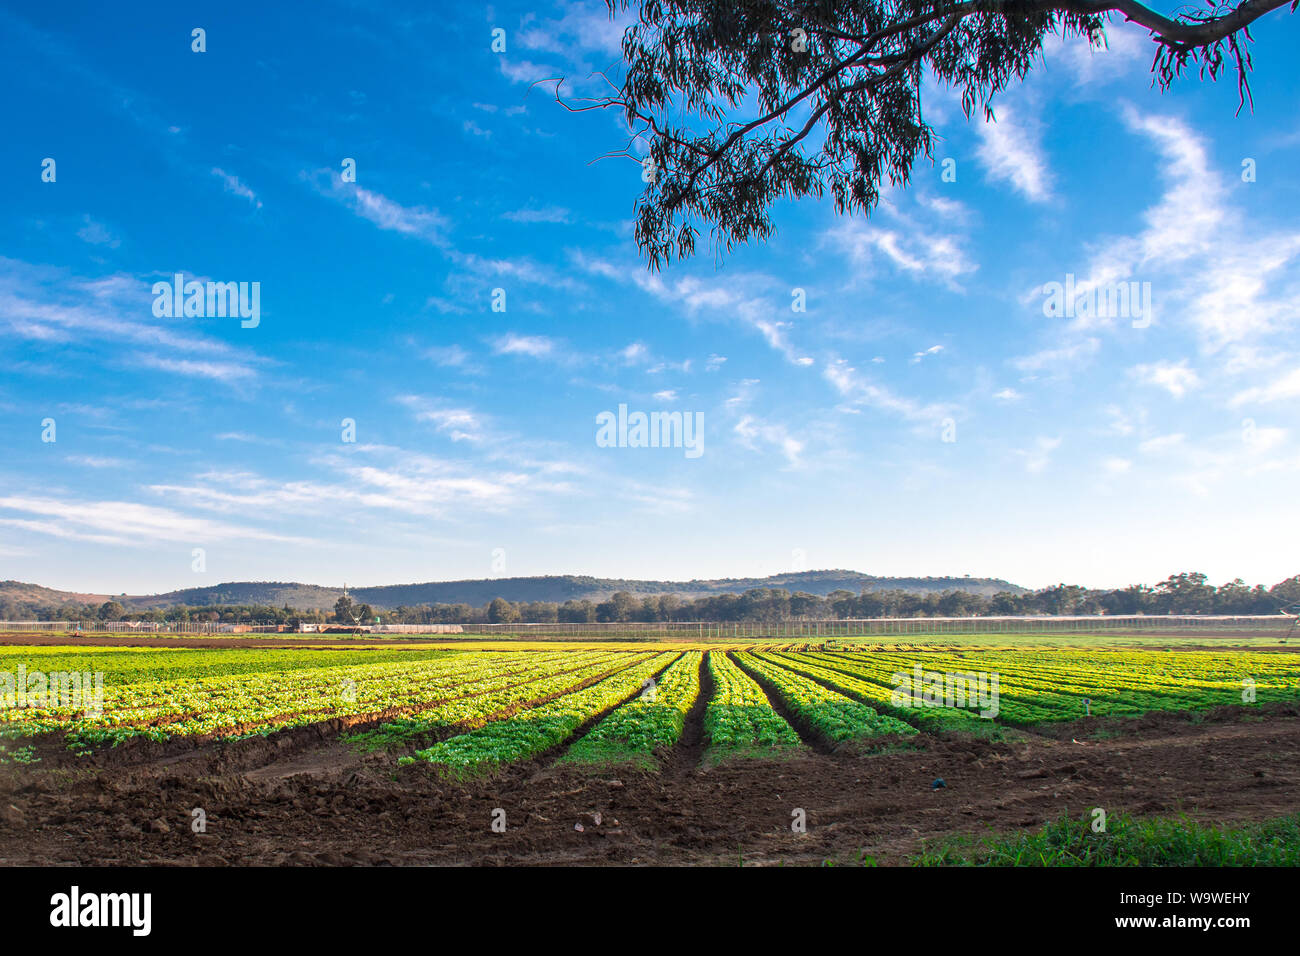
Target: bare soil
{"x":304,"y":797}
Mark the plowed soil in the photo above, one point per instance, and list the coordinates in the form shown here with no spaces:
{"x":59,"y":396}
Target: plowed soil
{"x":303,"y":797}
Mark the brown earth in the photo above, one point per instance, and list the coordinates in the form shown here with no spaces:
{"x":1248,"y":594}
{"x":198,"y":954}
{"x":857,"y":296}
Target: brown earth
{"x":303,"y":797}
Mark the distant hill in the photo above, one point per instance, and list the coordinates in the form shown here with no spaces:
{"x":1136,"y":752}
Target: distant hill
{"x":477,"y":592}
{"x":35,"y":594}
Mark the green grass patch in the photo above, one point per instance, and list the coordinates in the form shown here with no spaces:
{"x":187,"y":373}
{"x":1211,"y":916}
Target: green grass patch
{"x":1128,"y":841}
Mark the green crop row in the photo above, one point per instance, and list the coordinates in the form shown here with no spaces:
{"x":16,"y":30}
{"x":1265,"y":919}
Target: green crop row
{"x":1037,"y":687}
{"x":132,"y":665}
{"x":539,"y":728}
{"x":877,"y":694}
{"x":469,"y":711}
{"x":261,"y":703}
{"x":739,"y":718}
{"x":834,"y":716}
{"x":651,"y":722}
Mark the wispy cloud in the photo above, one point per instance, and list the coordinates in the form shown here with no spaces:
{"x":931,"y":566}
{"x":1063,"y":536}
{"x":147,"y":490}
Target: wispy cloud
{"x":237,"y":187}
{"x":1283,"y":387}
{"x":754,"y":433}
{"x":418,"y":221}
{"x":534,"y":346}
{"x":459,"y":424}
{"x":542,"y":214}
{"x":910,"y":249}
{"x":858,"y":390}
{"x":97,"y":234}
{"x":1176,"y":378}
{"x":1011,"y":153}
{"x":124,"y":522}
{"x":55,"y":307}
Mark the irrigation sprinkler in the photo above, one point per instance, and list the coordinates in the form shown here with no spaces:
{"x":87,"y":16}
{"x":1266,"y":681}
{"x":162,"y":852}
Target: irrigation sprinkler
{"x":1293,"y":612}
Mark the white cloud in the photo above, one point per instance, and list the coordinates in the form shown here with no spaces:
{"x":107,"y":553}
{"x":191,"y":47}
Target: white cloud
{"x":525,"y":71}
{"x":1174,"y":377}
{"x":1261,"y":439}
{"x":544,"y":214}
{"x":1161,"y":444}
{"x":1200,"y":255}
{"x":123,"y":522}
{"x":910,"y":249}
{"x":448,"y":356}
{"x":1282,"y":388}
{"x":1126,"y":54}
{"x":371,"y":477}
{"x":48,"y":305}
{"x":753,"y":432}
{"x":418,"y":221}
{"x":1011,"y":153}
{"x":534,"y":346}
{"x":460,"y":424}
{"x":218,"y":371}
{"x":97,"y":461}
{"x":237,"y":187}
{"x":583,"y":28}
{"x":635,"y":354}
{"x":1057,"y":359}
{"x":857,"y":390}
{"x":1039,"y":455}
{"x":97,"y":234}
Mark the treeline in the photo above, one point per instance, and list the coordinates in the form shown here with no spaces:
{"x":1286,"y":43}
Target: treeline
{"x":1187,"y":593}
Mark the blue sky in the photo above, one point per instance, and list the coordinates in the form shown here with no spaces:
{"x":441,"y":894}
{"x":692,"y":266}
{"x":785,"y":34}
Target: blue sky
{"x":1086,"y":449}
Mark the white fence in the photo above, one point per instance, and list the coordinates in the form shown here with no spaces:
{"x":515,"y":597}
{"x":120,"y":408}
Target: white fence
{"x":138,"y":627}
{"x":1245,"y":625}
{"x":1260,"y":624}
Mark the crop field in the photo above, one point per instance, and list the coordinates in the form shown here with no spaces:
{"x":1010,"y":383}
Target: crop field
{"x":696,"y":749}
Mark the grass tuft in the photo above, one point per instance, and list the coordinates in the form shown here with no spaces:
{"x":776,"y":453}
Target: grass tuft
{"x":1129,"y":841}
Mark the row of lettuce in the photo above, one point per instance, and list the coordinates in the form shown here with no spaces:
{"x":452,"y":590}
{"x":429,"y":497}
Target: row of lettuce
{"x":467,"y":712}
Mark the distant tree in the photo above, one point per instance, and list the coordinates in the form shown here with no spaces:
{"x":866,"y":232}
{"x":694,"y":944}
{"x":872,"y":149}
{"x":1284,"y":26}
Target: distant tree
{"x":1004,"y":603}
{"x":365,"y":614}
{"x":501,"y":611}
{"x":343,"y":610}
{"x":842,"y":602}
{"x":621,"y":607}
{"x":959,"y":604}
{"x":1286,"y":592}
{"x":111,"y":611}
{"x":1186,"y":593}
{"x":1134,"y":599}
{"x":805,"y":605}
{"x":541,"y":612}
{"x":578,"y":612}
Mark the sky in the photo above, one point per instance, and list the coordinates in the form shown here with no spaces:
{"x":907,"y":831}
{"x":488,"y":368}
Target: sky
{"x":417,"y":397}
